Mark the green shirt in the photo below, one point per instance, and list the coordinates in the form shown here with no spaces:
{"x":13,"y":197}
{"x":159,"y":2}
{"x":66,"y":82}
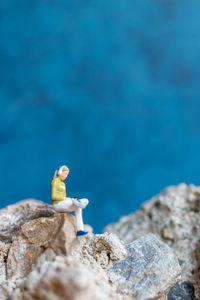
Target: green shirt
{"x":58,"y":190}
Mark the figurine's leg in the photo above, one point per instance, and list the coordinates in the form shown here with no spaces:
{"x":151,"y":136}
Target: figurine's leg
{"x":68,"y":206}
{"x":79,"y":219}
{"x":82,"y":203}
{"x":64,"y":206}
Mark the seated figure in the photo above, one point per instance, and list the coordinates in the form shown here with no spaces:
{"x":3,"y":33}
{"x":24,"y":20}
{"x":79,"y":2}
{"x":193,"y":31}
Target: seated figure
{"x":62,"y":203}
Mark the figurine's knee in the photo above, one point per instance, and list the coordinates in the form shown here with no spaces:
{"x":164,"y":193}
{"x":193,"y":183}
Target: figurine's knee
{"x":86,"y":201}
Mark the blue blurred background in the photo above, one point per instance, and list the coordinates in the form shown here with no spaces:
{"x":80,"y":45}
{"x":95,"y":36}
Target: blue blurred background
{"x":111,"y":89}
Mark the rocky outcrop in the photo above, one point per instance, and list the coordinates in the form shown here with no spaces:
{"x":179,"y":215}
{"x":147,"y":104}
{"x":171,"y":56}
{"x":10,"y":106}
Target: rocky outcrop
{"x":174,"y":217}
{"x":30,"y":230}
{"x":34,"y":237}
{"x":14,"y":216}
{"x":41,"y":258}
{"x":149,"y":270}
{"x":66,"y":279}
{"x":78,"y":275}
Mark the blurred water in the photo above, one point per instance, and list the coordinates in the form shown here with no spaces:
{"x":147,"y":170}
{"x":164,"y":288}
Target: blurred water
{"x":109,"y":88}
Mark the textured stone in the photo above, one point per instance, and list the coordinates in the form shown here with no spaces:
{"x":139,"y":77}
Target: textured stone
{"x":149,"y":270}
{"x":44,"y":260}
{"x":173,"y":215}
{"x":68,"y":232}
{"x":4,"y":247}
{"x":14,"y":216}
{"x":104,"y":248}
{"x":79,"y":274}
{"x":63,"y":241}
{"x":182,"y":291}
{"x":67,"y":278}
{"x":30,"y":242}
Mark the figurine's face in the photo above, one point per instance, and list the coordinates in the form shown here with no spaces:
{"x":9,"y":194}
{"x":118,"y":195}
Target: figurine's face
{"x":64,"y":175}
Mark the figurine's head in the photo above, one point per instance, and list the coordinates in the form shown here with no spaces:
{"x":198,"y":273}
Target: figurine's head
{"x":62,"y":172}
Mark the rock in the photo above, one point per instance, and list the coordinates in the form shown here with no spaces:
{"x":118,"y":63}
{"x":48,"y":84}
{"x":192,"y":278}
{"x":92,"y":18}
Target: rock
{"x":66,"y":279}
{"x":63,"y":241}
{"x":63,"y":279}
{"x":79,"y":275}
{"x":98,"y":250}
{"x":182,"y":291}
{"x":14,"y":216}
{"x":173,"y":216}
{"x":167,"y":234}
{"x":4,"y":247}
{"x":43,"y":258}
{"x":149,"y":270}
{"x":31,"y":233}
{"x":33,"y":227}
{"x":33,"y":238}
{"x":104,"y":248}
{"x":68,"y":232}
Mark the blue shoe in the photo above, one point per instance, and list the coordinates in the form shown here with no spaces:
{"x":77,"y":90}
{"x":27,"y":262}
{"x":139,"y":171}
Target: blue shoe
{"x":81,"y":232}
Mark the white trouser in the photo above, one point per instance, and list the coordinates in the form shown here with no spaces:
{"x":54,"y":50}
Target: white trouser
{"x":69,"y":206}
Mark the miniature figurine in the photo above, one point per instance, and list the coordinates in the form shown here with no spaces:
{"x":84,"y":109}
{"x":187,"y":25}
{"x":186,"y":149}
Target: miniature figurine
{"x":62,"y":203}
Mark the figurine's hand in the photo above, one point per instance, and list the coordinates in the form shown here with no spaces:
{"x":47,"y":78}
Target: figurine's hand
{"x":67,"y":198}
